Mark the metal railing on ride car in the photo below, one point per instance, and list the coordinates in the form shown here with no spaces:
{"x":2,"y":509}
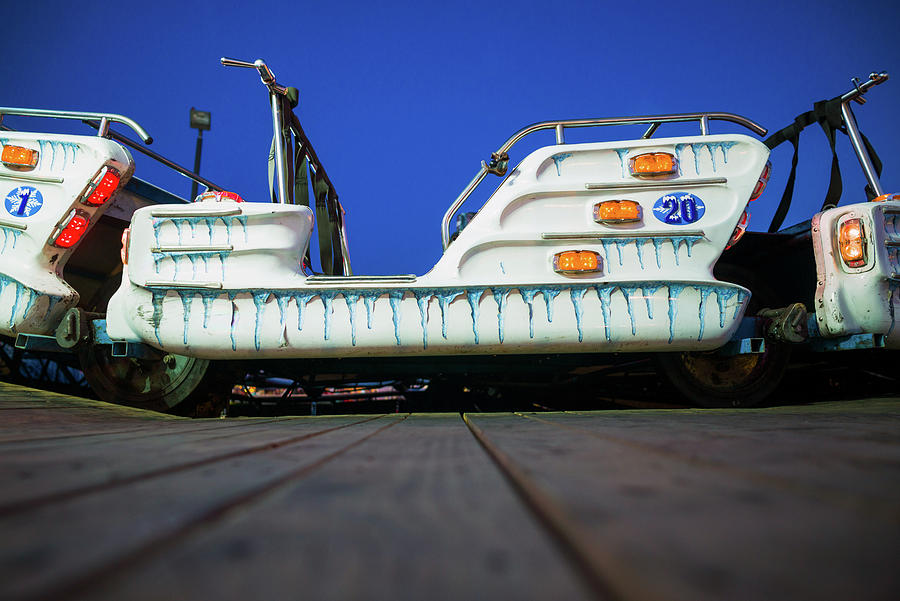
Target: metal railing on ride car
{"x":500,"y":158}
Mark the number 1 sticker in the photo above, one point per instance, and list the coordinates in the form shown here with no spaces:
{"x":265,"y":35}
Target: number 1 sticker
{"x":680,"y":208}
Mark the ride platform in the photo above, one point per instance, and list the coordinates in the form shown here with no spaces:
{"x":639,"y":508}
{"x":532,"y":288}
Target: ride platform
{"x":104,"y":502}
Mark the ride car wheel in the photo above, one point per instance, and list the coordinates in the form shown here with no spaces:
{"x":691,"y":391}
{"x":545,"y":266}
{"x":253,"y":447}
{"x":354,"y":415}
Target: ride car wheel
{"x":708,"y":379}
{"x":173,"y":384}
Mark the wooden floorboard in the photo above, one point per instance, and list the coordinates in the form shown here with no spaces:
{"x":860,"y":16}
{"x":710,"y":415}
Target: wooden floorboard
{"x":794,"y":503}
{"x":742,"y":521}
{"x":418,"y":512}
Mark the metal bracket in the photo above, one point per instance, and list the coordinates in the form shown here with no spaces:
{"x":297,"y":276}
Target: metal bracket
{"x":498,"y":165}
{"x":743,"y":346}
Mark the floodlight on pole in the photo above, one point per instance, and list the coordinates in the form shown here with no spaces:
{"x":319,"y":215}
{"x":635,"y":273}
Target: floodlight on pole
{"x":200,"y":120}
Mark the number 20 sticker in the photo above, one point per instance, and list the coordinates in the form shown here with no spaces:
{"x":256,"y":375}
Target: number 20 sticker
{"x":680,"y":208}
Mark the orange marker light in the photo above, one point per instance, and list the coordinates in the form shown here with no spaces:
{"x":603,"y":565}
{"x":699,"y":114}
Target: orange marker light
{"x":653,"y":163}
{"x":617,"y":211}
{"x":19,"y":157}
{"x":886,"y":198}
{"x":852,"y":242}
{"x":576,"y":261}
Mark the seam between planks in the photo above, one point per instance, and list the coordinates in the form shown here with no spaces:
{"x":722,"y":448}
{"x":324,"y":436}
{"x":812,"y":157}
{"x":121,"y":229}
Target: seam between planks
{"x":606,"y":576}
{"x":864,"y":504}
{"x":27,"y":505}
{"x":79,"y":585}
{"x":50,"y":438}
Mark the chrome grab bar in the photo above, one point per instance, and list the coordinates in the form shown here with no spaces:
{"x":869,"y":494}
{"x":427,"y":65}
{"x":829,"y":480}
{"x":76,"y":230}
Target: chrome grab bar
{"x":856,"y":94}
{"x":559,"y":126}
{"x":158,"y":157}
{"x":104,"y":119}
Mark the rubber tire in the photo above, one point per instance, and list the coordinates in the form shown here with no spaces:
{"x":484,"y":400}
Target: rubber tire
{"x":187,"y":386}
{"x":709,"y":380}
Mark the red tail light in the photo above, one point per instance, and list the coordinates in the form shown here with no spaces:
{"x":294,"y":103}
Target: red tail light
{"x":762,"y":181}
{"x":68,"y":234}
{"x":739,"y":230}
{"x":102,"y":187}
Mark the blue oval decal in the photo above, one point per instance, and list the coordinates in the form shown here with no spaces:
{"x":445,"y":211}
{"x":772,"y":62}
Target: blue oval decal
{"x":679,"y":208}
{"x":23,"y":201}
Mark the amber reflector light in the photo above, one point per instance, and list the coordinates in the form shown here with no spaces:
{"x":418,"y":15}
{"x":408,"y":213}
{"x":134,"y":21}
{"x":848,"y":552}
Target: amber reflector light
{"x":852,"y":242}
{"x":653,"y":163}
{"x":886,"y":198}
{"x":617,"y":211}
{"x":16,"y":156}
{"x":576,"y":261}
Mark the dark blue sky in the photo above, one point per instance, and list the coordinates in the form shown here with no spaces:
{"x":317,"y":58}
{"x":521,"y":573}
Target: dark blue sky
{"x":402,"y":101}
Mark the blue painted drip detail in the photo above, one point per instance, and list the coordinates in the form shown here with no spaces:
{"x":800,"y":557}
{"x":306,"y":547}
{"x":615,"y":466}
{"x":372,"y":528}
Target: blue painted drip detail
{"x":474,"y":298}
{"x":208,"y":297}
{"x":351,"y":299}
{"x":711,"y":148}
{"x":369,"y":301}
{"x":621,"y":152}
{"x":300,"y":299}
{"x":259,"y":300}
{"x":32,"y":300}
{"x":394,"y":298}
{"x":549,"y":294}
{"x":445,"y":296}
{"x":604,"y":293}
{"x":444,"y":300}
{"x":649,"y":291}
{"x":674,"y":291}
{"x":422,"y":298}
{"x":657,"y":242}
{"x":9,"y":233}
{"x":705,"y":291}
{"x":723,"y":295}
{"x":19,"y":290}
{"x":528,"y":297}
{"x":628,"y":292}
{"x":328,"y":297}
{"x":501,"y":295}
{"x":187,"y":297}
{"x":639,"y":245}
{"x":156,"y":300}
{"x":33,"y":296}
{"x":559,"y":158}
{"x":620,"y":242}
{"x":607,"y":243}
{"x":577,"y":295}
{"x":281,"y":300}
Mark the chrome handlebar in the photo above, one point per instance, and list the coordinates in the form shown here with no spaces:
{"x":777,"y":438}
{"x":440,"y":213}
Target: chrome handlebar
{"x":856,"y":94}
{"x":265,"y":74}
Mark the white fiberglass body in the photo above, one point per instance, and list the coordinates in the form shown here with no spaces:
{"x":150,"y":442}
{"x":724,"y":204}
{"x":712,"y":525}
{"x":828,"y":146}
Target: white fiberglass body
{"x":224,"y":279}
{"x":864,"y":299}
{"x":33,"y":293}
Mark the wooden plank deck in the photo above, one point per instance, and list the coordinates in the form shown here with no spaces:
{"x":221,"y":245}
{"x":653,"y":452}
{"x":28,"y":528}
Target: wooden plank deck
{"x":104,"y":502}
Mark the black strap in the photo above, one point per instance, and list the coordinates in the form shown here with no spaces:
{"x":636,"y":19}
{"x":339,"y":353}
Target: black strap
{"x":827,"y":113}
{"x":320,"y":190}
